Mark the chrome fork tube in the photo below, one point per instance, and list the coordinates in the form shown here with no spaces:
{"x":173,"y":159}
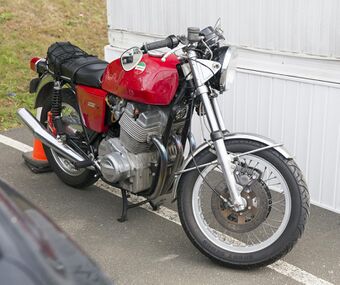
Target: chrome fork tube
{"x":217,"y":136}
{"x":222,"y":154}
{"x":218,"y":114}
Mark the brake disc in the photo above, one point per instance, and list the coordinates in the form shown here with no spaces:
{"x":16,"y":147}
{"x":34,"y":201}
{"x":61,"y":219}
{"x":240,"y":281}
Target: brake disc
{"x":258,"y":198}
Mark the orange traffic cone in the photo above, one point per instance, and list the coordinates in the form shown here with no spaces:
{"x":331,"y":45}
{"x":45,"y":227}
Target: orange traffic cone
{"x":36,"y":160}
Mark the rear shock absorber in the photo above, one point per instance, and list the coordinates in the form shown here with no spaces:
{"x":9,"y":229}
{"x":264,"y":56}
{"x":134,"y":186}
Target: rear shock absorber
{"x":56,"y":107}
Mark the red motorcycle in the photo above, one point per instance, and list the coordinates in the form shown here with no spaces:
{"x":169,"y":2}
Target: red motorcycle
{"x":242,"y":199}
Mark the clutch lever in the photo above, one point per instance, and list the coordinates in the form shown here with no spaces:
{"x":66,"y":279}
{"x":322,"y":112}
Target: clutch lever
{"x":166,"y":55}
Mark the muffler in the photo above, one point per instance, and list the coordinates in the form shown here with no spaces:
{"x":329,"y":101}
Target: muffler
{"x":40,"y":133}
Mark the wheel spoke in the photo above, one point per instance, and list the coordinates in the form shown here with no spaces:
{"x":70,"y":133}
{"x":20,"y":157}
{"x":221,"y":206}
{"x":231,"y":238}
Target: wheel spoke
{"x":240,"y":230}
{"x":255,"y":167}
{"x":264,"y":229}
{"x":258,"y":240}
{"x":270,"y":226}
{"x":275,"y":221}
{"x":269,"y":179}
{"x":275,"y":184}
{"x":270,"y":175}
{"x":279,"y":210}
{"x":249,"y":239}
{"x":280,"y":201}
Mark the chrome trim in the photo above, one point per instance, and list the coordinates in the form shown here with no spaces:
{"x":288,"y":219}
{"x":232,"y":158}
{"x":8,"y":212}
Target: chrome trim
{"x":192,"y":141}
{"x":259,"y":149}
{"x":163,"y":168}
{"x":223,"y":157}
{"x":201,"y":75}
{"x":180,"y":151}
{"x":36,"y":64}
{"x":177,"y":164}
{"x":135,"y":61}
{"x":231,"y":136}
{"x":196,"y":167}
{"x":218,"y":113}
{"x":224,"y":68}
{"x":40,"y":133}
{"x":202,"y":69}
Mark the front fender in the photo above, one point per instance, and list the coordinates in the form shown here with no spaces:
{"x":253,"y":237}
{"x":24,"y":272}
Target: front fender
{"x":231,"y":136}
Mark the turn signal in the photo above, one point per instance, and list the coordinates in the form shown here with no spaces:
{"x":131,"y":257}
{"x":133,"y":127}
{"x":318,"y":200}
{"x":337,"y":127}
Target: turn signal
{"x":33,"y":63}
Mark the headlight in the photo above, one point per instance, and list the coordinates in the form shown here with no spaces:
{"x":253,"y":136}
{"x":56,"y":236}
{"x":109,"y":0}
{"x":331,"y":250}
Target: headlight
{"x":227,"y":57}
{"x":228,"y":70}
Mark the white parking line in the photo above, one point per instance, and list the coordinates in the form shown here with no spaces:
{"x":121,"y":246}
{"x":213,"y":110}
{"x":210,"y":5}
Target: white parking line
{"x":15,"y":144}
{"x":280,"y":266}
{"x":297,"y":273}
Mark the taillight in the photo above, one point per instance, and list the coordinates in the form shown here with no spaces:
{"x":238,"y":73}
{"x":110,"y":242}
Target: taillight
{"x":33,"y":63}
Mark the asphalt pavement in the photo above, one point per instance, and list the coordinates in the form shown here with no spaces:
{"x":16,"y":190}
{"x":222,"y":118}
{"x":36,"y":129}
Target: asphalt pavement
{"x":149,"y":249}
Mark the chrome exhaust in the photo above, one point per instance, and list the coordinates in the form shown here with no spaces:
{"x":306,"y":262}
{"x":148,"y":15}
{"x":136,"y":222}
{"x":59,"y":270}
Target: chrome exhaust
{"x":40,"y":133}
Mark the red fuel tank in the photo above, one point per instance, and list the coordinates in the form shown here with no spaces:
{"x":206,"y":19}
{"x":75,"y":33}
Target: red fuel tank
{"x":152,"y":82}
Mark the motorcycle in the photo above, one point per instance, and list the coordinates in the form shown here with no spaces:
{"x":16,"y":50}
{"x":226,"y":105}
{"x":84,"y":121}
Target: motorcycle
{"x":242,"y":200}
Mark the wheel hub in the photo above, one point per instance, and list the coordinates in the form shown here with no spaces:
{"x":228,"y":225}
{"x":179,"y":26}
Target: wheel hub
{"x":258,"y":207}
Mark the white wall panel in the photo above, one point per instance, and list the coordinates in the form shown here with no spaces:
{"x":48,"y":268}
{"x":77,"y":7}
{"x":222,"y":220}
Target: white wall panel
{"x":303,"y":116}
{"x":297,"y":26}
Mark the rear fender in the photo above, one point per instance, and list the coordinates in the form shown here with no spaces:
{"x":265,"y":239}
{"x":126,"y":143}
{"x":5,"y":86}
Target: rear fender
{"x":233,"y":136}
{"x":43,"y":89}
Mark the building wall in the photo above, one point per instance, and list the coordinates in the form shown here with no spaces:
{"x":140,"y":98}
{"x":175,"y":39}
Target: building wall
{"x":303,"y":115}
{"x":288,"y":80}
{"x":297,"y":26}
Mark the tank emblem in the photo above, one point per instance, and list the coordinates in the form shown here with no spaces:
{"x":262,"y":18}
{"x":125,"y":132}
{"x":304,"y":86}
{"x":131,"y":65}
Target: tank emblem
{"x":140,"y":67}
{"x":91,"y":104}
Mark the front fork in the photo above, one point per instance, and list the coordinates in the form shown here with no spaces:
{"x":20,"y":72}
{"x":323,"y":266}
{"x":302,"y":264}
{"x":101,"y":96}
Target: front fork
{"x":217,"y":126}
{"x":215,"y":119}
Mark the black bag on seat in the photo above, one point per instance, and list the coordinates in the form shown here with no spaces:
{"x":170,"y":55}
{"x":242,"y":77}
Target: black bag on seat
{"x":67,"y":60}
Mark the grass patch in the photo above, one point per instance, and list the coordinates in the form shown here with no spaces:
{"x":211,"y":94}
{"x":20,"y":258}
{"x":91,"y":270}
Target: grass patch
{"x":27,"y":28}
{"x":5,"y":16}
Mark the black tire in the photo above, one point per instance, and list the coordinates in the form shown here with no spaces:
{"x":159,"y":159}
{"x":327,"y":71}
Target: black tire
{"x":293,"y":231}
{"x":86,"y":177}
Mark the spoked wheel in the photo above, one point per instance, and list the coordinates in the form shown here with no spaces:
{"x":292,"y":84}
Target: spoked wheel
{"x":79,"y":178}
{"x":277,"y":207}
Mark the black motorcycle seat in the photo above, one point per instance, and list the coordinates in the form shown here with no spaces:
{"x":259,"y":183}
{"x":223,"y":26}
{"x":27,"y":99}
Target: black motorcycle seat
{"x":72,"y":63}
{"x":86,"y":71}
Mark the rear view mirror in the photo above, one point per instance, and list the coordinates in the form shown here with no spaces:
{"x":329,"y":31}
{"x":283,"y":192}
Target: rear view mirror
{"x":130,"y":58}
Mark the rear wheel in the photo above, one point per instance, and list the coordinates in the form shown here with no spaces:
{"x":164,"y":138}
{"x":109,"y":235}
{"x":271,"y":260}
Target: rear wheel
{"x":277,"y":207}
{"x":65,"y":170}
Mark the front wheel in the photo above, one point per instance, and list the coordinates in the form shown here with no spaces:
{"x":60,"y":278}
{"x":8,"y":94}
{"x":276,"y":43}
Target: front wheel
{"x":277,"y":207}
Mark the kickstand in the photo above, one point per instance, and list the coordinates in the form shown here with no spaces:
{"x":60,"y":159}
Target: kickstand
{"x":127,"y":206}
{"x":123,"y":217}
{"x":154,"y":206}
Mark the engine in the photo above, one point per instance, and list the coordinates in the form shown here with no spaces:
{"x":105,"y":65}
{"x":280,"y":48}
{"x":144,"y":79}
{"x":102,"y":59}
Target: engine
{"x":137,"y":129}
{"x":126,"y":160}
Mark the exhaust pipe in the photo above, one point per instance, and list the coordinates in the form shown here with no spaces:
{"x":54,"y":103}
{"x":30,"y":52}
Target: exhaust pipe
{"x":40,"y":133}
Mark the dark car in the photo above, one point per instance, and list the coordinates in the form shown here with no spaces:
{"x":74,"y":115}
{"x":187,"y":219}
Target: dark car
{"x":33,"y":250}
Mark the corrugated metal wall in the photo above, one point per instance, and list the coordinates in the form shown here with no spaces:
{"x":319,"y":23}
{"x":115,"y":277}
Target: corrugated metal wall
{"x":294,"y":100}
{"x":304,"y":116}
{"x":297,"y":26}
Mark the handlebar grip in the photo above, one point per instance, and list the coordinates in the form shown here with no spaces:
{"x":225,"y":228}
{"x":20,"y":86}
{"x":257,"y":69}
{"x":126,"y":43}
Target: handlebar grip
{"x":170,"y":42}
